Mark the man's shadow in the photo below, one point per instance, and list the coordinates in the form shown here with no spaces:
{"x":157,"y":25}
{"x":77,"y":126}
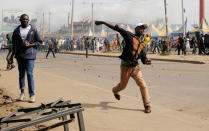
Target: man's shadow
{"x":105,"y":106}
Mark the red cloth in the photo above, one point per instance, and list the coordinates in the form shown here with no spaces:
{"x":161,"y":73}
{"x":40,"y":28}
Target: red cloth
{"x":177,"y":42}
{"x":50,"y":44}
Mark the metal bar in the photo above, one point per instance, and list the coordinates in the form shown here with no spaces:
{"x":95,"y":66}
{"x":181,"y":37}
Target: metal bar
{"x":64,"y":118}
{"x":80,"y":121}
{"x":19,"y":120}
{"x":38,"y":114}
{"x":49,"y":112}
{"x":63,"y":103}
{"x":55,"y":125}
{"x":7,"y":117}
{"x":56,"y":102}
{"x":29,"y":110}
{"x":39,"y":109}
{"x":57,"y":115}
{"x":24,"y":114}
{"x":69,"y":106}
{"x":43,"y":106}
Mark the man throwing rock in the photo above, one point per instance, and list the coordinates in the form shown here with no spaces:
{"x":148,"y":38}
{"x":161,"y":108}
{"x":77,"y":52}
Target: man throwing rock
{"x":134,"y":49}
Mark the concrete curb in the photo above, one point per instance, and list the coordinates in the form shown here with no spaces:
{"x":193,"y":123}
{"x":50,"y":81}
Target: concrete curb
{"x":155,"y":59}
{"x":180,"y":61}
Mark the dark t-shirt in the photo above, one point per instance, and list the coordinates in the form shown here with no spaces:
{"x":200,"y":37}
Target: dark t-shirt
{"x":181,"y":42}
{"x":86,"y":43}
{"x":129,"y":53}
{"x":9,"y":44}
{"x":50,"y":45}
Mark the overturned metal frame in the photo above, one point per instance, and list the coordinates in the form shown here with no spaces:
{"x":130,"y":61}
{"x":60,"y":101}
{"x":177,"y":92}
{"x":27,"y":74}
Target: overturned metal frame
{"x":58,"y":109}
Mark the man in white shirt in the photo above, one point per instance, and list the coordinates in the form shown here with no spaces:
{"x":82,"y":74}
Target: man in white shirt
{"x":25,"y":40}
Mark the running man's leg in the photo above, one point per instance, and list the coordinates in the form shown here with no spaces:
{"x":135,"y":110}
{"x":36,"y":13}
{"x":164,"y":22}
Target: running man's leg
{"x":137,"y":76}
{"x":124,"y":77}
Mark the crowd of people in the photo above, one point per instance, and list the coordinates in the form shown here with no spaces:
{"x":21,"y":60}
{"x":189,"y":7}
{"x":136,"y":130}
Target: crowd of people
{"x":198,"y":43}
{"x":81,"y":43}
{"x":189,"y":44}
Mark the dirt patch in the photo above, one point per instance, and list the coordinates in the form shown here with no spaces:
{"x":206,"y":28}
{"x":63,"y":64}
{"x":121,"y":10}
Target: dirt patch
{"x":8,"y":105}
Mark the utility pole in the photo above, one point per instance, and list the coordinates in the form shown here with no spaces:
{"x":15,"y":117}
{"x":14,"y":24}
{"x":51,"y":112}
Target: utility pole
{"x":166,"y":23}
{"x":43,"y":25}
{"x":183,"y":24}
{"x":2,"y":16}
{"x":202,"y":11}
{"x":72,"y":19}
{"x":93,"y":19}
{"x":40,"y":27}
{"x":68,"y":20}
{"x":49,"y":22}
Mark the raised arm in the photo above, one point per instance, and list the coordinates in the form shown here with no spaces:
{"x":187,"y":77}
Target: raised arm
{"x":105,"y":23}
{"x":113,"y":27}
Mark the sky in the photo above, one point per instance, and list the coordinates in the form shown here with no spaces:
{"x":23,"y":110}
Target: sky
{"x":119,"y":11}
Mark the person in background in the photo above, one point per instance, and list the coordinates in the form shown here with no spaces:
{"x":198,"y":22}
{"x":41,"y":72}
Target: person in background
{"x":180,"y":45}
{"x":50,"y":48}
{"x":147,"y":42}
{"x":97,"y":44}
{"x":9,"y":57}
{"x":86,"y":42}
{"x":187,"y":45}
{"x":193,"y":45}
{"x":156,"y":45}
{"x":106,"y":43}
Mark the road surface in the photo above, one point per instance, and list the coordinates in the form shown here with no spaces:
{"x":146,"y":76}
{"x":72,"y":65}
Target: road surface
{"x":179,"y":92}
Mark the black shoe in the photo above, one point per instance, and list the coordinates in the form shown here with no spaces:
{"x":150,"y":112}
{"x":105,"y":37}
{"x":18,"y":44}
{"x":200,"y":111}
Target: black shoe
{"x":117,"y":96}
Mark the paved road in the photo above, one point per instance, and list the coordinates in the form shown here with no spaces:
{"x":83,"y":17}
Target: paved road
{"x":179,"y":92}
{"x":178,"y":86}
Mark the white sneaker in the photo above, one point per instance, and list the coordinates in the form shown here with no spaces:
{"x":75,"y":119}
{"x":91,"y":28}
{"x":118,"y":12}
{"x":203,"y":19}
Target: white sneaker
{"x":22,"y":96}
{"x":32,"y":99}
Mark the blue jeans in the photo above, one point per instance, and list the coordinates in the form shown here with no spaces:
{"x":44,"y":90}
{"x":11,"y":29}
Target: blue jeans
{"x":27,"y":66}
